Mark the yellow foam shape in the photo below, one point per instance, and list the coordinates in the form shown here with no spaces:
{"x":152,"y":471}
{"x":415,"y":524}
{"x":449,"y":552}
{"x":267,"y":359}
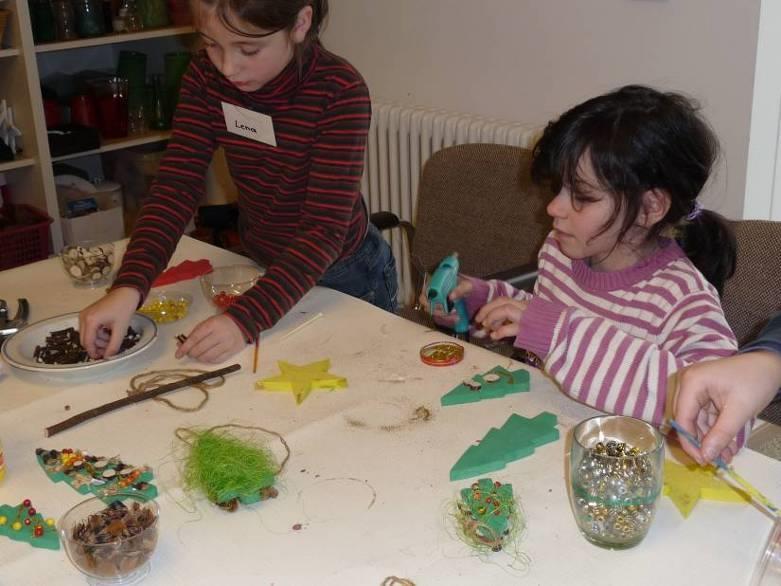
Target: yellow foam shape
{"x":685,"y":485}
{"x":302,"y":380}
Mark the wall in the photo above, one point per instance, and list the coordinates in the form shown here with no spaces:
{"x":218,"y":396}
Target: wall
{"x":528,"y":60}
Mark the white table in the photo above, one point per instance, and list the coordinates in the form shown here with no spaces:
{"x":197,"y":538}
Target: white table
{"x":406,"y":532}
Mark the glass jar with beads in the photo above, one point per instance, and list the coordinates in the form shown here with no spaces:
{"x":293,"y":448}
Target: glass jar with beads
{"x":615,"y":474}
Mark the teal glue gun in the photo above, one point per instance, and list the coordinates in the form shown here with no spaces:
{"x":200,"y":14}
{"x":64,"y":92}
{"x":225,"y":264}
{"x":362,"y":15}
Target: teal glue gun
{"x":443,"y":281}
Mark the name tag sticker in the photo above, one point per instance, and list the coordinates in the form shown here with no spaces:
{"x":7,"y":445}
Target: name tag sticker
{"x":249,"y":124}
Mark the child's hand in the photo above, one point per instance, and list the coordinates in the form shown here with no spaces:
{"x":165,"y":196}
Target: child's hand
{"x":501,"y":317}
{"x":103,"y":325}
{"x":441,"y":316}
{"x":213,"y":340}
{"x":462,"y":289}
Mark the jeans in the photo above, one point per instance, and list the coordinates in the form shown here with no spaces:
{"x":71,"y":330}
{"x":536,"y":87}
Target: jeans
{"x":368,"y":274}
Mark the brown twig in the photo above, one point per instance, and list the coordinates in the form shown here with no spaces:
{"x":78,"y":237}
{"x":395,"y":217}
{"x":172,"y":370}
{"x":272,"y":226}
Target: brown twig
{"x":91,"y":413}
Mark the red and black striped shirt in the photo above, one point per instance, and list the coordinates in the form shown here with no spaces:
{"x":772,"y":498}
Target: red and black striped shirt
{"x":300,"y":203}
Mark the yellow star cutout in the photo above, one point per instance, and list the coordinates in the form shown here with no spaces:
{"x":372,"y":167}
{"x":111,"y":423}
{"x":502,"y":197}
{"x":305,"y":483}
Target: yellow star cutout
{"x":685,"y":485}
{"x":302,"y":380}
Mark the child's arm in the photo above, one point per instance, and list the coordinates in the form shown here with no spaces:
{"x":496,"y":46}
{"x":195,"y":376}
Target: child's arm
{"x":332,"y":200}
{"x":602,"y":365}
{"x":178,"y":187}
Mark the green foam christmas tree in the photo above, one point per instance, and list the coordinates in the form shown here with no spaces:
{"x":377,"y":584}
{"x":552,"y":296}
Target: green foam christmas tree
{"x":516,"y":439}
{"x":24,"y":523}
{"x":492,"y":384}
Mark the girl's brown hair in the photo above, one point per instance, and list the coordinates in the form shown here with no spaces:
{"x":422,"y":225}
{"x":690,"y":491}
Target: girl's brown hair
{"x":271,"y":15}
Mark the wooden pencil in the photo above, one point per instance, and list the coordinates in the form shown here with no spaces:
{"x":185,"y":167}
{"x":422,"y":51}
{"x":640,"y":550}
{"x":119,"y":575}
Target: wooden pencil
{"x":255,"y":356}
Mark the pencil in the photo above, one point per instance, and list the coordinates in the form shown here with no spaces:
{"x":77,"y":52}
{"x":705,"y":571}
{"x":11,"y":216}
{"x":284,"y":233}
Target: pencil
{"x":255,"y":356}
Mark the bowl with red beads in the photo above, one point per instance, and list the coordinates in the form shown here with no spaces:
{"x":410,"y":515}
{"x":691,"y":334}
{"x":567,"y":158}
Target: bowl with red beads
{"x":225,"y":284}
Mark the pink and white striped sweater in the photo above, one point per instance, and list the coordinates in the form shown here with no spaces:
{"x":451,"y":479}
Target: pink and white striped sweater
{"x":612,"y":339}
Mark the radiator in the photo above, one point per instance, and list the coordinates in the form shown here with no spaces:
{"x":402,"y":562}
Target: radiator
{"x":401,"y":139}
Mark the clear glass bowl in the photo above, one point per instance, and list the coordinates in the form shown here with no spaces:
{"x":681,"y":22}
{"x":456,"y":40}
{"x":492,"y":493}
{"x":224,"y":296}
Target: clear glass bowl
{"x":88,"y":263}
{"x":123,"y":556}
{"x":224,"y":284}
{"x":615,"y":473}
{"x":165,"y":307}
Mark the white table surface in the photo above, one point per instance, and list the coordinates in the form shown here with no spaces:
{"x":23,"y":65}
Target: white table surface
{"x":336,"y":467}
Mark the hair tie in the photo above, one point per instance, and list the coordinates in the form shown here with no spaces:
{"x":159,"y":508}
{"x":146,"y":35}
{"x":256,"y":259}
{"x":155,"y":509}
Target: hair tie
{"x":695,"y":213}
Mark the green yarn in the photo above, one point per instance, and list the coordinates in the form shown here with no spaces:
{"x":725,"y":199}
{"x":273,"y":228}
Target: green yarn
{"x":225,"y":467}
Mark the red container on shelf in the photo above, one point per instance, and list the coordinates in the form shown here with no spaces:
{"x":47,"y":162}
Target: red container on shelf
{"x":26,"y":239}
{"x":111,"y":99}
{"x":179,"y":12}
{"x":84,"y":110}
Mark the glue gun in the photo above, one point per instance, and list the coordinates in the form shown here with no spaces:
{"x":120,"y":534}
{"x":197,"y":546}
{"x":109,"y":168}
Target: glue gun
{"x":443,"y":281}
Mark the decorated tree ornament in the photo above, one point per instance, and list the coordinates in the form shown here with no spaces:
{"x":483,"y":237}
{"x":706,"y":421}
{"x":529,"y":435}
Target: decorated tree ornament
{"x":302,"y":380}
{"x":20,"y":524}
{"x":489,"y":519}
{"x":103,"y":477}
{"x":229,"y":469}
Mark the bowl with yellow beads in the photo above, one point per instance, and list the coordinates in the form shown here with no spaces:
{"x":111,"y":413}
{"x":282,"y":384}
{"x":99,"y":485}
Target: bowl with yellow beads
{"x":165,"y":307}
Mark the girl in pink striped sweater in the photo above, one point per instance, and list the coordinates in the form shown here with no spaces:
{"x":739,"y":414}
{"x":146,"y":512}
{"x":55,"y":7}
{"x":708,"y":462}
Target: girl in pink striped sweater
{"x":629,"y":278}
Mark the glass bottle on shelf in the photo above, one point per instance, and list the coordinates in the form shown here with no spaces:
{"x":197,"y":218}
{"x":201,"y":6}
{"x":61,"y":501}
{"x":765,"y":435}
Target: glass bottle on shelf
{"x":64,"y":20}
{"x":158,"y":118}
{"x":128,"y":18}
{"x":42,"y":17}
{"x":89,"y":18}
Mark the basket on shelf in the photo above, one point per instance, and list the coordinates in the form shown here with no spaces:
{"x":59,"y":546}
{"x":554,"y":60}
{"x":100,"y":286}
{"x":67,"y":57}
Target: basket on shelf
{"x":4,"y":17}
{"x":26,"y":239}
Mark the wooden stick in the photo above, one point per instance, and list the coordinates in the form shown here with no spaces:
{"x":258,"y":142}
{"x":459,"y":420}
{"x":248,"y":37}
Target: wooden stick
{"x":255,"y":356}
{"x":92,"y":413}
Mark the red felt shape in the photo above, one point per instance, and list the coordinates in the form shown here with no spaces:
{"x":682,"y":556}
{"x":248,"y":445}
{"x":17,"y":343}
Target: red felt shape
{"x":188,"y":269}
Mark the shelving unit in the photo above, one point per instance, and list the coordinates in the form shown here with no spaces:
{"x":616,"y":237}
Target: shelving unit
{"x":118,"y":144}
{"x":16,"y":164}
{"x":115,"y":38}
{"x":22,"y":63}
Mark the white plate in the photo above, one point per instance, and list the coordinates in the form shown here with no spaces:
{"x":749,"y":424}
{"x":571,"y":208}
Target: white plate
{"x":18,"y":350}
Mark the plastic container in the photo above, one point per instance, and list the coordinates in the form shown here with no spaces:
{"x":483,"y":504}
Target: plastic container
{"x":768,"y":570}
{"x":224,"y":284}
{"x":26,"y":239}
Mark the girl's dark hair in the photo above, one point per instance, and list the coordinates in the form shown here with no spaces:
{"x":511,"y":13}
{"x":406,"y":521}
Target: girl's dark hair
{"x":639,"y":139}
{"x":272,"y":15}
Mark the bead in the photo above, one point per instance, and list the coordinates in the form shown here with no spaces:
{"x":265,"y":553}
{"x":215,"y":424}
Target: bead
{"x":3,"y":519}
{"x":50,"y":522}
{"x":27,"y":521}
{"x":38,"y":531}
{"x":31,"y":511}
{"x":491,"y":377}
{"x":26,"y":503}
{"x":16,"y":526}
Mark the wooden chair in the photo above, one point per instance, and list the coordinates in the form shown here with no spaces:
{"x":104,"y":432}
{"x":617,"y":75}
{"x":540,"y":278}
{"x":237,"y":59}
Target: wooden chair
{"x":477,"y":200}
{"x":753,"y":294}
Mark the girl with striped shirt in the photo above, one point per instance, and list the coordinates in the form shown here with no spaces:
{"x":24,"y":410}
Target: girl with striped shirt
{"x":629,"y":278}
{"x":293,"y":121}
